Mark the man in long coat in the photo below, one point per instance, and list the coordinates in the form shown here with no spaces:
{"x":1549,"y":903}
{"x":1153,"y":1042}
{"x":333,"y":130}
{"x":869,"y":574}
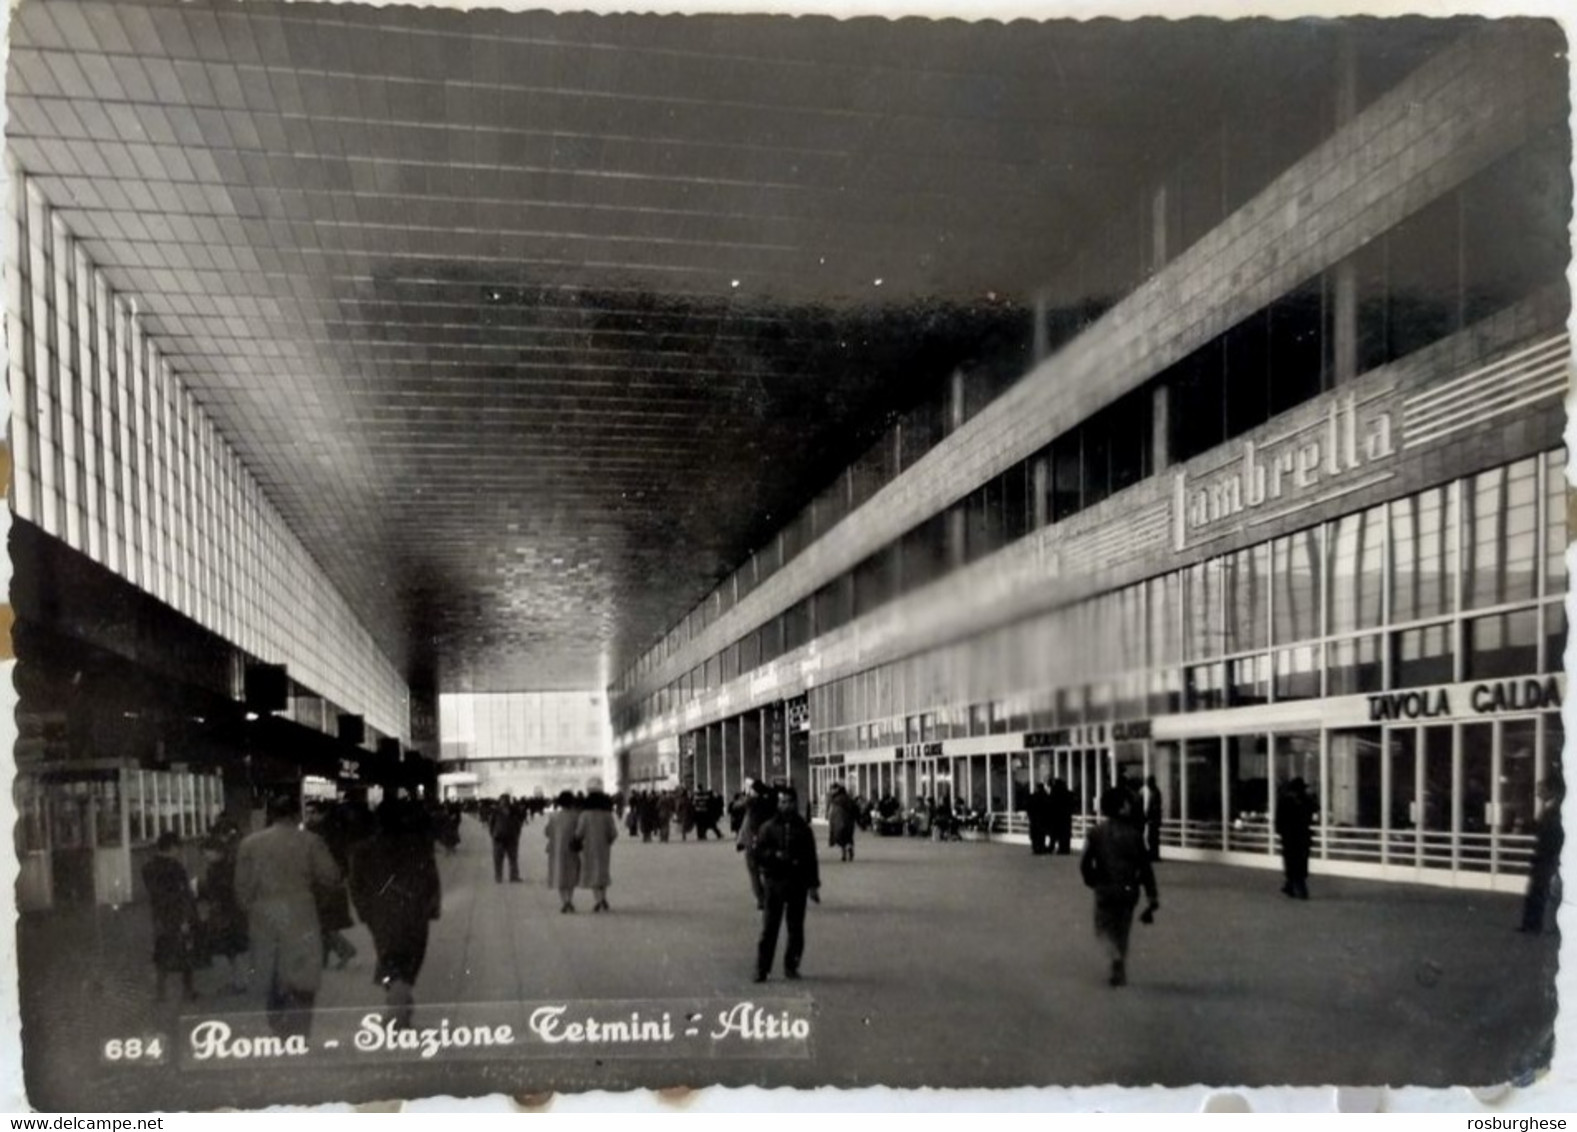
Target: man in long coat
{"x":1295,"y":826}
{"x":278,"y":872}
{"x":394,"y":883}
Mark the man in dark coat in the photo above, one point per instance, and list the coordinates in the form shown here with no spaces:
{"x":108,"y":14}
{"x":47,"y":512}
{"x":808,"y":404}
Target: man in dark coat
{"x":1548,"y":840}
{"x":394,"y":884}
{"x":786,"y":855}
{"x":1295,"y":827}
{"x":1116,"y":866}
{"x":1061,"y":808}
{"x":504,"y":826}
{"x":1039,"y":813}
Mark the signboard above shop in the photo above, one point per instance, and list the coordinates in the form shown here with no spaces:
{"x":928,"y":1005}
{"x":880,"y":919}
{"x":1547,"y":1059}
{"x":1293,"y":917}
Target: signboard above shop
{"x":1435,"y":704}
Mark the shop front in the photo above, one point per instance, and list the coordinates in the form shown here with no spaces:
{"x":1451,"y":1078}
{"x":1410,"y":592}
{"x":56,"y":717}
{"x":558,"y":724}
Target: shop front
{"x":1434,"y":784}
{"x":85,"y":831}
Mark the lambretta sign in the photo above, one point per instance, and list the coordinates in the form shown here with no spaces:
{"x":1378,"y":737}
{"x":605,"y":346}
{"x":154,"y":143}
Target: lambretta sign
{"x":1327,"y":457}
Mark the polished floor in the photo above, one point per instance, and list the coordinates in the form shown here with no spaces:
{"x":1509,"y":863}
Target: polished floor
{"x":928,"y":965}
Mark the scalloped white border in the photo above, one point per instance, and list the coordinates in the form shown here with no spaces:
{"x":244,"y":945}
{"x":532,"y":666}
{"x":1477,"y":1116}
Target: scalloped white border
{"x":1554,"y":1092}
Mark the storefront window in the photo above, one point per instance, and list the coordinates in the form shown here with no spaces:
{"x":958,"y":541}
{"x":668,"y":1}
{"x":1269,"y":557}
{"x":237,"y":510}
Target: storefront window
{"x":1502,"y":644}
{"x":1421,"y":656}
{"x":1248,"y":779}
{"x":977,"y":782}
{"x":1435,"y":809}
{"x":1354,"y":796}
{"x":1478,"y":781}
{"x":1020,"y":782}
{"x":1519,"y":805}
{"x":1424,"y":554}
{"x":1500,"y":536}
{"x":1168,"y":770}
{"x":1298,"y":756}
{"x":1402,"y":755}
{"x":1202,"y":803}
{"x":1353,"y":666}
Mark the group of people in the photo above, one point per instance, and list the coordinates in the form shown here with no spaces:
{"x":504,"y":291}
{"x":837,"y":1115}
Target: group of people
{"x":655,"y":813}
{"x":282,"y":896}
{"x":1050,"y":816}
{"x":580,"y":832}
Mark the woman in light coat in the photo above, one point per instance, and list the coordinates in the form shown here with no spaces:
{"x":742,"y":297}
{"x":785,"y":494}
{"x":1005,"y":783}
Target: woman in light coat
{"x":596,"y":829}
{"x":563,"y":851}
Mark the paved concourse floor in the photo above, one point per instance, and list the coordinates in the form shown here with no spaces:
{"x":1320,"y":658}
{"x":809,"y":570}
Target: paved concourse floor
{"x":962,"y":964}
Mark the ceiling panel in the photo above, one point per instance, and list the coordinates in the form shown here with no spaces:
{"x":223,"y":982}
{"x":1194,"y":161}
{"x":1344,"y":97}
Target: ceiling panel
{"x":534,"y":326}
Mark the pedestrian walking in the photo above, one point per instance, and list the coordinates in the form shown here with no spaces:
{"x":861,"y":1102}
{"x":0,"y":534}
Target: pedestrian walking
{"x":564,"y":850}
{"x":394,"y":884}
{"x":1548,"y":840}
{"x":174,"y":911}
{"x":596,"y":829}
{"x":665,"y":815}
{"x":1116,"y":866}
{"x":1153,"y":810}
{"x":842,"y":817}
{"x":221,"y":920}
{"x":786,"y":855}
{"x":333,"y":824}
{"x":684,"y":814}
{"x":1295,"y":826}
{"x":278,"y":872}
{"x":504,"y":827}
{"x":758,"y":811}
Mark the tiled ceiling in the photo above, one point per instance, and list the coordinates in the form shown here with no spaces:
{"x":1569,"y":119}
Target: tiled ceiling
{"x":533,"y":326}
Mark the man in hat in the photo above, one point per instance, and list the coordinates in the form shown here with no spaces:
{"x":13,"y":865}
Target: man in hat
{"x":1295,"y":826}
{"x":786,"y":857}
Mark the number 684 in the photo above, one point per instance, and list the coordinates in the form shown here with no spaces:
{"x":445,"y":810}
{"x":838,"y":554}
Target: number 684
{"x":134,"y":1049}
